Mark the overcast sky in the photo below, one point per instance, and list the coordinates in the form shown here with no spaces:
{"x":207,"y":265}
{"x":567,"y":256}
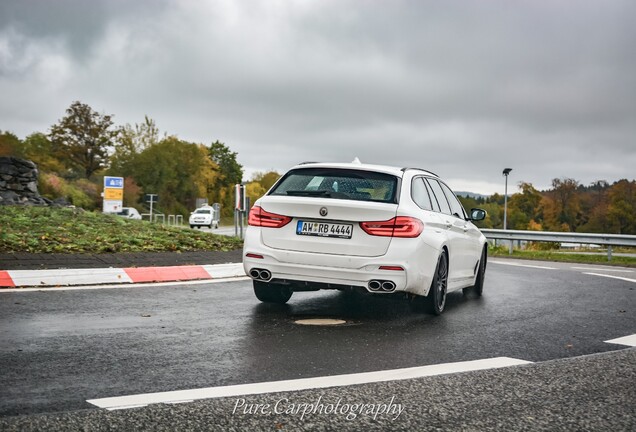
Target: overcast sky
{"x":462,"y":88}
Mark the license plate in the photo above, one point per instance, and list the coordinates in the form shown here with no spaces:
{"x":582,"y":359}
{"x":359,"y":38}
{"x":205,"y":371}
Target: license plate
{"x":324,"y":229}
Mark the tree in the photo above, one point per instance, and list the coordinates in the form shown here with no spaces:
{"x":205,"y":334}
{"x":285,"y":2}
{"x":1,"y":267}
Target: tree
{"x":254,"y":191}
{"x":10,"y":145}
{"x":561,"y":206}
{"x":594,"y":203}
{"x":176,"y":170}
{"x":621,"y":212}
{"x":130,"y":142}
{"x":266,"y":180}
{"x":83,"y":138}
{"x":39,"y":149}
{"x":524,"y":207}
{"x":230,"y":172}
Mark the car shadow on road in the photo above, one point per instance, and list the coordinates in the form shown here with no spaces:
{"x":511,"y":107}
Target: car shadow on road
{"x":352,"y":306}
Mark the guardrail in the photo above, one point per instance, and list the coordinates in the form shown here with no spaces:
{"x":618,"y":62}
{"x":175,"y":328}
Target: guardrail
{"x":161,"y":218}
{"x":608,"y":240}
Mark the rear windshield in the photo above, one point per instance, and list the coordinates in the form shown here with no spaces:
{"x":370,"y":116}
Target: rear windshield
{"x":338,"y":184}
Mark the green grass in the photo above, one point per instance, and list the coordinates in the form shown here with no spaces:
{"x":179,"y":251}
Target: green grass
{"x":65,"y":230}
{"x":555,"y":255}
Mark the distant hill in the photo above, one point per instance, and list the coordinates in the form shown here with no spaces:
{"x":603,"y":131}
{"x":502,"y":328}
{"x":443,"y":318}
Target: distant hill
{"x":471,"y":195}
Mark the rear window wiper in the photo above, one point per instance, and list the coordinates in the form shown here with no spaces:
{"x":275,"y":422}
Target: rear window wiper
{"x":319,"y":193}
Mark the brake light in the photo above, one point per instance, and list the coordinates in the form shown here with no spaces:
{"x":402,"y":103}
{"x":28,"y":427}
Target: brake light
{"x":399,"y":226}
{"x":262,"y":218}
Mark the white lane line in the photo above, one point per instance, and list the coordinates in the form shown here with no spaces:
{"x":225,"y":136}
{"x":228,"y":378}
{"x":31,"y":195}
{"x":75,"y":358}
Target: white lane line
{"x":603,"y":269}
{"x":611,"y":277}
{"x":627,"y":340}
{"x":521,"y":265}
{"x":129,"y":285}
{"x":125,"y":402}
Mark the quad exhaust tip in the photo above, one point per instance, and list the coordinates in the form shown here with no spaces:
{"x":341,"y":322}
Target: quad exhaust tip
{"x":381,"y":286}
{"x":260,"y":274}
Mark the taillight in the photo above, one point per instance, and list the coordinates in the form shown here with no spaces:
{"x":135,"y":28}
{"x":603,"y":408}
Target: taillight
{"x":400,"y":226}
{"x":262,"y":218}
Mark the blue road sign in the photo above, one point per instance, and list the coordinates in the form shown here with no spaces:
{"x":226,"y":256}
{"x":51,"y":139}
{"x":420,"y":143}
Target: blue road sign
{"x":113,"y":182}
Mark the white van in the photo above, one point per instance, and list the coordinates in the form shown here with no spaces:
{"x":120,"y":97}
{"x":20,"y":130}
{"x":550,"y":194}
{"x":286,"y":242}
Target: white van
{"x":204,"y":216}
{"x":129,"y":213}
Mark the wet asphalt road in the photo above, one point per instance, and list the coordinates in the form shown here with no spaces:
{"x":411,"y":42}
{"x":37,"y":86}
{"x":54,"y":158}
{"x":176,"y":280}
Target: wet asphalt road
{"x":60,"y":348}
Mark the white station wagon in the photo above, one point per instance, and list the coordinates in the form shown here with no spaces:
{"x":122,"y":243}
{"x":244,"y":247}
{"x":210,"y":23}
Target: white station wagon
{"x":351,"y":225}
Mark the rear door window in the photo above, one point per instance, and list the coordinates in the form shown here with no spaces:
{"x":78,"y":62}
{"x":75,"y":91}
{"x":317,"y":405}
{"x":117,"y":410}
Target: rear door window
{"x":455,"y":205}
{"x":439,"y":194}
{"x":338,"y":184}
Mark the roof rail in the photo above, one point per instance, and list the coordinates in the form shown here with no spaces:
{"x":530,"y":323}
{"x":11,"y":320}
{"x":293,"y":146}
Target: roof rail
{"x":419,"y":169}
{"x":308,"y":162}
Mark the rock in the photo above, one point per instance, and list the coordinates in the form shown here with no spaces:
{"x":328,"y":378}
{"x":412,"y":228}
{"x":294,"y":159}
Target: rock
{"x":32,"y":186}
{"x":19,"y":183}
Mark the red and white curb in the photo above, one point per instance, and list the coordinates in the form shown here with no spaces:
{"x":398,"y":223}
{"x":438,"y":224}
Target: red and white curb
{"x":130,"y":275}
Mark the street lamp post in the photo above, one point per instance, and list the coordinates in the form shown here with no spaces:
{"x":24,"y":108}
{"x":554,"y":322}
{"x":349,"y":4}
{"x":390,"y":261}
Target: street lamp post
{"x":506,"y":171}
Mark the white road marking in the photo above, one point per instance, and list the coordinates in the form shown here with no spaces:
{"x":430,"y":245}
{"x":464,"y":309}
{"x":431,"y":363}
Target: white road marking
{"x":125,"y":402}
{"x":521,"y":265}
{"x":128,"y":285}
{"x":603,"y":269}
{"x":611,"y":276}
{"x":627,"y":340}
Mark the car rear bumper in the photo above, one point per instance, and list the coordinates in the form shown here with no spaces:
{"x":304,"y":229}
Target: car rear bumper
{"x":416,"y":259}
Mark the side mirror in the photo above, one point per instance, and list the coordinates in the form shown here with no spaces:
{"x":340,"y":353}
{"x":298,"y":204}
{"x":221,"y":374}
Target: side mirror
{"x":477,"y":214}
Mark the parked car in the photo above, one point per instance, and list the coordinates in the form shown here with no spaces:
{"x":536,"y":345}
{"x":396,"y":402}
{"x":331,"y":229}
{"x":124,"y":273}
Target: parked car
{"x":204,"y":216}
{"x":129,"y":213}
{"x":356,"y":226}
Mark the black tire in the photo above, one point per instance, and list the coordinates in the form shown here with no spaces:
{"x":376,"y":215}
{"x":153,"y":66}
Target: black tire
{"x":436,"y":298}
{"x":478,"y":288}
{"x":191,"y":226}
{"x":268,"y":292}
{"x":435,"y":301}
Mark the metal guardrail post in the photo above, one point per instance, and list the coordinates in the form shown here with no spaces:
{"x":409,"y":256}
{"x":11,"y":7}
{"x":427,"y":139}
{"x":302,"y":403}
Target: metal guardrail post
{"x":609,"y":253}
{"x":179,"y":220}
{"x":171,"y":219}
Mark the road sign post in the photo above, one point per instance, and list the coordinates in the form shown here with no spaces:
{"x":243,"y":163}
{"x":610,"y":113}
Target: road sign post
{"x":113,"y":194}
{"x":151,"y":198}
{"x":240,"y":204}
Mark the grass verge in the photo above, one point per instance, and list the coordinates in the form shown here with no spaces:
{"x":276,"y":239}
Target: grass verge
{"x":65,"y":230}
{"x":502,"y":252}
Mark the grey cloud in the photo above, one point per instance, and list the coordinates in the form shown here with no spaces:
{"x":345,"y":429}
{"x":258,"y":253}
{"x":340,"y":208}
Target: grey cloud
{"x":460,"y":87}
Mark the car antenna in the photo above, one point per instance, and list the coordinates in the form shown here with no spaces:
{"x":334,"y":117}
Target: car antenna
{"x":356,"y":161}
